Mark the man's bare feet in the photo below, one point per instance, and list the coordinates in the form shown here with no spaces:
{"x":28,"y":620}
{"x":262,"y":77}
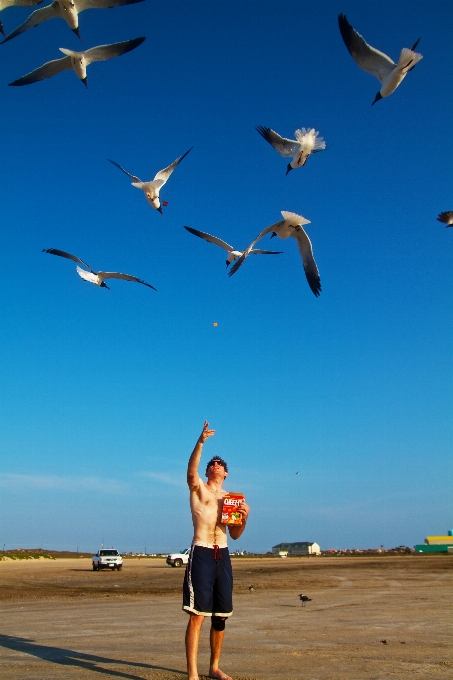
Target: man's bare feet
{"x":220,"y":675}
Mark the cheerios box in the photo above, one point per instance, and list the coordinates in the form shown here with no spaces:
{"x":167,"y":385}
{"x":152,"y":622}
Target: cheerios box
{"x":230,"y":515}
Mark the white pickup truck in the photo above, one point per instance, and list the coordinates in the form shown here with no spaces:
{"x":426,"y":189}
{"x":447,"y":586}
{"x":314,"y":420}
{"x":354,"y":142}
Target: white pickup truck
{"x":107,"y":558}
{"x":178,"y":559}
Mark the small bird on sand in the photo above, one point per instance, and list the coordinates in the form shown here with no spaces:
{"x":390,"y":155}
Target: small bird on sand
{"x":291,"y":225}
{"x":377,"y":63}
{"x":446,"y":218}
{"x":16,"y":3}
{"x":97,"y":278}
{"x":303,"y":599}
{"x":67,"y":10}
{"x":306,"y":143}
{"x":152,"y":188}
{"x":251,"y":589}
{"x":232,"y":253}
{"x":78,"y":61}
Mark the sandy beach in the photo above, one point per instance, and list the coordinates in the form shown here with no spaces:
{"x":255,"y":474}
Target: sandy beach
{"x":370,"y":617}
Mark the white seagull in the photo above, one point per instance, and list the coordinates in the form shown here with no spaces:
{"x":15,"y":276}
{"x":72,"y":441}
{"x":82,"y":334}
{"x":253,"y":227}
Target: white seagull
{"x":95,"y":277}
{"x":67,"y":10}
{"x":10,"y":3}
{"x":232,"y":253}
{"x":446,"y":218}
{"x":153,"y":187}
{"x":291,"y":225}
{"x":78,"y":61}
{"x":377,"y":63}
{"x":306,"y":143}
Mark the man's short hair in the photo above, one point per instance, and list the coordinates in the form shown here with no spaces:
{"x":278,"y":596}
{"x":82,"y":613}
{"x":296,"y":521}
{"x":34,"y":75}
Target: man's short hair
{"x":213,"y":460}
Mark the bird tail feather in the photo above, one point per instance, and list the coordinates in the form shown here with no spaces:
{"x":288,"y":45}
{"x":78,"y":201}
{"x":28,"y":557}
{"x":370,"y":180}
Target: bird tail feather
{"x":293,"y":217}
{"x":69,"y":53}
{"x":408,"y":57}
{"x":87,"y":276}
{"x":310,"y":139}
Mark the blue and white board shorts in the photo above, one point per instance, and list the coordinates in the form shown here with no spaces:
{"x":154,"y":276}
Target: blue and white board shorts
{"x":208,"y":582}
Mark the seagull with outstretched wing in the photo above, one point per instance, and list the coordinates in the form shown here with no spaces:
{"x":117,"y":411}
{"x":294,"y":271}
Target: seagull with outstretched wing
{"x":232,"y":253}
{"x":97,"y":278}
{"x":152,"y":188}
{"x":291,"y":225}
{"x":68,"y":10}
{"x":377,"y":63}
{"x":16,"y":3}
{"x":306,"y":143}
{"x":78,"y":61}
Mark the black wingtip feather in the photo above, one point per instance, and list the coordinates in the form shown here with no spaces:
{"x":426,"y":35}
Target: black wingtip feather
{"x":347,"y":32}
{"x":315,"y":285}
{"x":264,"y":131}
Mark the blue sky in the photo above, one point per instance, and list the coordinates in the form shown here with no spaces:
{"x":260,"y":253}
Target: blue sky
{"x":103,"y":393}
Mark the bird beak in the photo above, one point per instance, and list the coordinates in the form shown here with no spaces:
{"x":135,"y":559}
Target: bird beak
{"x":104,"y":285}
{"x":159,"y":209}
{"x":289,"y":168}
{"x":273,"y":234}
{"x":415,"y":45}
{"x":2,"y":29}
{"x":85,"y":82}
{"x":377,"y":98}
{"x":227,"y":264}
{"x":76,"y":31}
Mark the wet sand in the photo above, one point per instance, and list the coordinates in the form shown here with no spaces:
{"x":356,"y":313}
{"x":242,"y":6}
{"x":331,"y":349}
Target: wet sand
{"x":370,"y":617}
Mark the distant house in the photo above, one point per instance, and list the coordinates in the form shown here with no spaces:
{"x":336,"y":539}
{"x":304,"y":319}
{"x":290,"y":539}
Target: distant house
{"x":300,"y":548}
{"x":437,"y":544}
{"x":439,"y":540}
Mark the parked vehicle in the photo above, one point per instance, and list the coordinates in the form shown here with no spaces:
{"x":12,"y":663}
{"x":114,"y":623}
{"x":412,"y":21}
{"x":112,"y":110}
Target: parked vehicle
{"x":178,"y":559}
{"x":107,"y":558}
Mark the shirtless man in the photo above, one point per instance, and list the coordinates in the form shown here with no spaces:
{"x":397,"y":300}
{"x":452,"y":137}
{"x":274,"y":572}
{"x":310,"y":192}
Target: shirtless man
{"x":208,"y":582}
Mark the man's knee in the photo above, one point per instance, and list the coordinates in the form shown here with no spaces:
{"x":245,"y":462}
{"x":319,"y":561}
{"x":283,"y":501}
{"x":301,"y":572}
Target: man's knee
{"x":218,"y":622}
{"x":195,"y":619}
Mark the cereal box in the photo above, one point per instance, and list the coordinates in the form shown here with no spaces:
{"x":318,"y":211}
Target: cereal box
{"x":229,"y":511}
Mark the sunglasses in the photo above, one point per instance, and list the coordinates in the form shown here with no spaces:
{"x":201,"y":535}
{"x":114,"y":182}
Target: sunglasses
{"x":216,"y":462}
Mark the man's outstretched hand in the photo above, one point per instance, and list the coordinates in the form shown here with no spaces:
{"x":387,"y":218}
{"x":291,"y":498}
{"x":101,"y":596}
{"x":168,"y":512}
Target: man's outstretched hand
{"x":205,"y":433}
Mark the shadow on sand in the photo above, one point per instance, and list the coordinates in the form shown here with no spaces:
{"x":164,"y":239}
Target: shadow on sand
{"x":90,"y":570}
{"x":69,"y":657}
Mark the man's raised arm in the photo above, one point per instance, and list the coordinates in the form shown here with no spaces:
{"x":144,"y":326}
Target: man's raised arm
{"x":193,"y":478}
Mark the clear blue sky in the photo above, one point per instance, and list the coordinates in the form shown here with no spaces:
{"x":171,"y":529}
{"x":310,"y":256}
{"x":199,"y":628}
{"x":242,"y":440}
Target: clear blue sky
{"x":103,"y":393}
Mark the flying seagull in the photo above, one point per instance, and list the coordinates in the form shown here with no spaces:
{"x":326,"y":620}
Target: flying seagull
{"x":153,"y":187}
{"x":306,"y":143}
{"x":446,"y":218}
{"x":232,"y":253}
{"x":78,"y":61}
{"x":95,"y":277}
{"x":377,"y":63}
{"x":291,"y":225}
{"x":64,"y":9}
{"x":10,"y":3}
